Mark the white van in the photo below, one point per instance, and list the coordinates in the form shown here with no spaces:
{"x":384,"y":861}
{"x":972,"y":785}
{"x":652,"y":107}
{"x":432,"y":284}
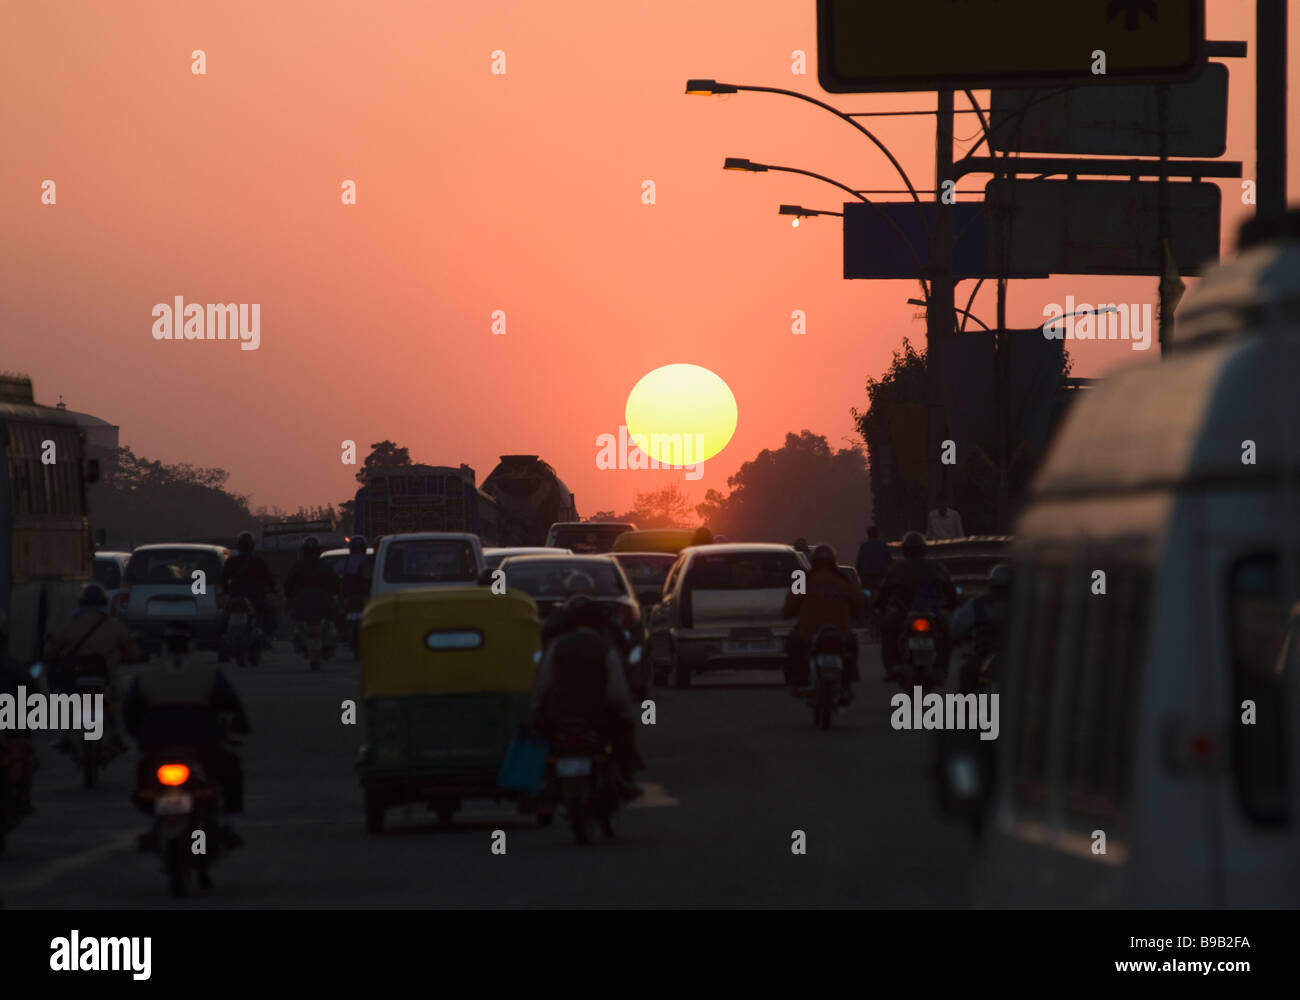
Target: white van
{"x":1122,"y":713}
{"x":426,"y":559}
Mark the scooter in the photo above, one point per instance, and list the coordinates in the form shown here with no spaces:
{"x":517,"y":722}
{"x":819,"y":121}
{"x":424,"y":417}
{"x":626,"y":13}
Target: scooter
{"x":243,"y":632}
{"x":918,"y":652}
{"x":826,"y":670}
{"x":581,"y":764}
{"x":186,"y":805}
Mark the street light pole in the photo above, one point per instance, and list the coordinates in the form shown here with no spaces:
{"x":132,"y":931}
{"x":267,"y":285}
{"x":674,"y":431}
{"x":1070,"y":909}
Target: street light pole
{"x":940,"y":315}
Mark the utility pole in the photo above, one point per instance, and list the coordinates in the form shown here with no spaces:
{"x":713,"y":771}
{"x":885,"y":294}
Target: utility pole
{"x":940,"y":314}
{"x":1270,"y":107}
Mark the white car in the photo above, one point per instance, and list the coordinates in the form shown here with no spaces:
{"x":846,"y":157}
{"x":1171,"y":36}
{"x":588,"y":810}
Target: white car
{"x":721,"y":608}
{"x":162,"y":587}
{"x":493,"y":556}
{"x":426,"y":559}
{"x":109,"y":571}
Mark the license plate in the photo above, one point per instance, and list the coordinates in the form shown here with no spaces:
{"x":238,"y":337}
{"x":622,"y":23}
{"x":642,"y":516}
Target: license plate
{"x":827,"y":662}
{"x":239,"y":618}
{"x":354,"y":616}
{"x":920,"y":644}
{"x":173,"y":804}
{"x":573,"y":767}
{"x":738,"y":647}
{"x":172,"y":609}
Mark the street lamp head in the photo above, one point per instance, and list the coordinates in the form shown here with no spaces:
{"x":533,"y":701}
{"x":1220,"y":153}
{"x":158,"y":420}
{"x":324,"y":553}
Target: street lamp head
{"x":708,"y":88}
{"x":740,"y":163}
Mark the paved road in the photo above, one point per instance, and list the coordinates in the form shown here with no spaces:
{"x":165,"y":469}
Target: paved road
{"x":735,"y":767}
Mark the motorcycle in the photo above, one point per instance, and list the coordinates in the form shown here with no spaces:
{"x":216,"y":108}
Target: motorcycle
{"x":92,"y":755}
{"x":176,"y":789}
{"x":243,"y":632}
{"x":977,"y":673}
{"x":918,"y":652}
{"x":580,"y":765}
{"x":826,"y":667}
{"x":350,"y":631}
{"x":316,"y":639}
{"x":17,"y":763}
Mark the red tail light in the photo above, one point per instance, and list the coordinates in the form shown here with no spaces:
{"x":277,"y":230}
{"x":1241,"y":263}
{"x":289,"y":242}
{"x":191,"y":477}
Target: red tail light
{"x":920,"y":625}
{"x":173,"y":774}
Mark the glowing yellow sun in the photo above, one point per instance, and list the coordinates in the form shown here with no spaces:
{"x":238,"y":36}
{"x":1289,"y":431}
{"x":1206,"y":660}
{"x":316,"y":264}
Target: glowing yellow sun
{"x":682,"y":413}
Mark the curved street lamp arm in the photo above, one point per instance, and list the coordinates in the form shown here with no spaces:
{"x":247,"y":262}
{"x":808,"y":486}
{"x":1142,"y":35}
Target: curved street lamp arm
{"x":843,"y":117}
{"x":844,"y":187}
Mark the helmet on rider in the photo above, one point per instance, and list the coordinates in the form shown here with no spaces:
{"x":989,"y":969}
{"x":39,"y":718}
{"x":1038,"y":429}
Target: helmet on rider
{"x":801,"y":545}
{"x":244,"y":543}
{"x":581,"y":611}
{"x":1000,"y":578}
{"x":823,"y":557}
{"x":311,"y":547}
{"x":357,"y":543}
{"x":914,"y":545}
{"x":176,"y":637}
{"x":579,"y":583}
{"x":93,"y":596}
{"x":702,"y":536}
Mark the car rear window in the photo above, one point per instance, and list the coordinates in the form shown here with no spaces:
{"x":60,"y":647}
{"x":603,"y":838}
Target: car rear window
{"x":430,"y":561}
{"x":588,"y":538}
{"x":555,"y":578}
{"x":646,"y":571}
{"x":156,"y":567}
{"x":108,"y":574}
{"x":743,"y":571}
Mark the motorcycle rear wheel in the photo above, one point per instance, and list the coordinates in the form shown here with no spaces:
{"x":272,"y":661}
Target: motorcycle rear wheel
{"x":177,"y":868}
{"x":89,"y":764}
{"x":580,"y":823}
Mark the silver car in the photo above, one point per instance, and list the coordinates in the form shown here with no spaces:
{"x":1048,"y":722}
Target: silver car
{"x":171,"y":583}
{"x":721,"y":608}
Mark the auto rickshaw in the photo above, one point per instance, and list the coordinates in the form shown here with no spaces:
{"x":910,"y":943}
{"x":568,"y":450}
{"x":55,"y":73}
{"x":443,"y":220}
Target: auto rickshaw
{"x":447,"y":680}
{"x":655,"y":540}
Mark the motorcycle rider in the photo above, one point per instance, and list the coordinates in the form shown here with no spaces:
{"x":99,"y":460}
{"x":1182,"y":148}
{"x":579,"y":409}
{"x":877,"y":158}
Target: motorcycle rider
{"x":96,"y":641}
{"x":873,"y":560}
{"x":914,"y":584}
{"x":581,"y":677}
{"x":355,"y":571}
{"x":182,"y":704}
{"x":17,"y":751}
{"x":247,"y":575}
{"x":983,"y":620}
{"x":310,"y":588}
{"x":829,"y":598}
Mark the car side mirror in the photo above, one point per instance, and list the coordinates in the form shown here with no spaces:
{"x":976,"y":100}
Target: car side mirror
{"x":485,"y":578}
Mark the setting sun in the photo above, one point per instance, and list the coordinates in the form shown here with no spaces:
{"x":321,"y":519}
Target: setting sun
{"x":681,"y":403}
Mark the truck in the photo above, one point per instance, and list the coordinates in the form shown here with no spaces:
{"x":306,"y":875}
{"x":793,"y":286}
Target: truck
{"x":413,"y":498}
{"x":530,"y":497}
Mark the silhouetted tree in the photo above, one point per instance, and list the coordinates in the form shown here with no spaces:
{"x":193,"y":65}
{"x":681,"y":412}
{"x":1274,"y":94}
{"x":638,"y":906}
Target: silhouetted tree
{"x":804,"y":488}
{"x":138,"y":501}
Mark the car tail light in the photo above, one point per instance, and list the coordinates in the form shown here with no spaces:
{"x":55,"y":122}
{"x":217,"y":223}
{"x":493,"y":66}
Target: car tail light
{"x":687,"y":612}
{"x":920,"y":625}
{"x":124,"y":598}
{"x":173,"y":774}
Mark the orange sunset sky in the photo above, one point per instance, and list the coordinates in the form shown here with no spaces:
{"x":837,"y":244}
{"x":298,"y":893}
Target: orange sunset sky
{"x":475,"y":192}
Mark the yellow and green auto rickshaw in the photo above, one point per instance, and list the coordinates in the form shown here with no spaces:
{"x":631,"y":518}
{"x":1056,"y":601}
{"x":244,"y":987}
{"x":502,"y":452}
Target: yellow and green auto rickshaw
{"x":447,"y":680}
{"x":655,"y":540}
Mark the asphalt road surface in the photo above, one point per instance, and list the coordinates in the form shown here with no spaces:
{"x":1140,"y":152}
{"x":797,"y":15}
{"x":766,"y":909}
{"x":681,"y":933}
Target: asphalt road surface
{"x":735,"y":767}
